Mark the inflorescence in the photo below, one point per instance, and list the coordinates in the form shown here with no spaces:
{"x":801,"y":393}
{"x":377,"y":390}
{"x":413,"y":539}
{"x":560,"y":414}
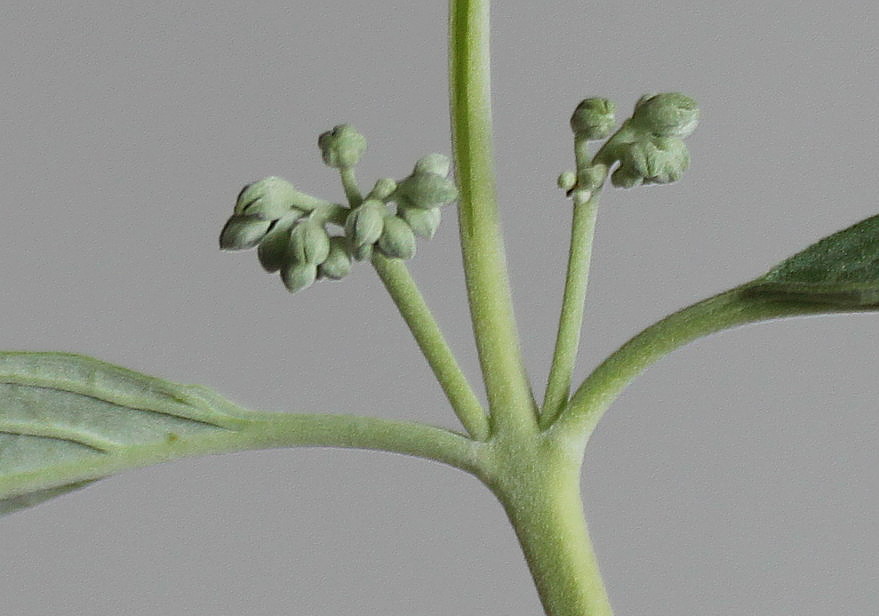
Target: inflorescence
{"x":293,"y":230}
{"x":648,"y":148}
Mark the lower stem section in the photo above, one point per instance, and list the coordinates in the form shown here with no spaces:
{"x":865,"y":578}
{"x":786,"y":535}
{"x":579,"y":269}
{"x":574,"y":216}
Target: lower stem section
{"x":544,"y":506}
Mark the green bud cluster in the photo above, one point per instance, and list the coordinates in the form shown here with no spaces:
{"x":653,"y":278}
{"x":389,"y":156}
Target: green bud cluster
{"x":290,"y":228}
{"x":648,"y":147}
{"x":418,"y":198}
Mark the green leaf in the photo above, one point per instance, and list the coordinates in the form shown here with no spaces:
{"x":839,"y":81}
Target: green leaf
{"x":841,"y":269}
{"x":66,"y":420}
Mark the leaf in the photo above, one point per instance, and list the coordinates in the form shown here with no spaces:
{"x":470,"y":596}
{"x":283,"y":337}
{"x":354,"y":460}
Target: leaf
{"x":67,"y":420}
{"x":841,"y":269}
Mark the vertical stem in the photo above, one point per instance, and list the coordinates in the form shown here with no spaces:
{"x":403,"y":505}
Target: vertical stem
{"x":510,"y":399}
{"x":542,"y":500}
{"x":403,"y":290}
{"x":571,"y":319}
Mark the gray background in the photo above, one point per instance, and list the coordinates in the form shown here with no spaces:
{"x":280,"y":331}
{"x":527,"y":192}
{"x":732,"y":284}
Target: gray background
{"x":736,"y":477}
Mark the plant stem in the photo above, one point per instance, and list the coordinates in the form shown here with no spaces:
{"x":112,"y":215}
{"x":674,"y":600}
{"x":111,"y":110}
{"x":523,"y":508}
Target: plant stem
{"x":510,"y":399}
{"x":573,"y":304}
{"x":723,"y":311}
{"x":349,"y":183}
{"x":403,"y":290}
{"x":258,"y":430}
{"x":541,"y":496}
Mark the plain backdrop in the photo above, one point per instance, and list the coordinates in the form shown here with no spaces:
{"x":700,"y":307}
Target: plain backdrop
{"x":737,"y":476}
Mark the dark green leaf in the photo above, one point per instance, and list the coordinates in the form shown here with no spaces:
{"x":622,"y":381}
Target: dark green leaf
{"x":841,"y":269}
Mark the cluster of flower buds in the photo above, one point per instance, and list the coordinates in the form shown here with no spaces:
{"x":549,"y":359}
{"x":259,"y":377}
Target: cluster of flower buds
{"x":418,"y":198}
{"x":649,"y":146}
{"x":655,"y":152}
{"x":290,"y":228}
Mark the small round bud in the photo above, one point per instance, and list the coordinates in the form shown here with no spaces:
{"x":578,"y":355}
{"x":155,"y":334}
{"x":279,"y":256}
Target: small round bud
{"x":342,"y":147}
{"x":397,"y":240}
{"x":383,"y":189}
{"x":309,"y":243}
{"x":243,"y":232}
{"x":364,"y":224}
{"x":423,"y":223}
{"x":666,"y":115}
{"x":594,"y":118}
{"x":268,"y":199}
{"x":433,"y":163}
{"x":298,"y":276}
{"x":427,"y":190}
{"x":272,"y":251}
{"x":338,"y":262}
{"x":567,"y":180}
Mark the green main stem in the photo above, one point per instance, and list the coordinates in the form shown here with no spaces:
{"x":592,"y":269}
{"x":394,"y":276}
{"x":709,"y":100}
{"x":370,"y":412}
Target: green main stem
{"x":538,"y":484}
{"x":511,"y":402}
{"x":535,"y":477}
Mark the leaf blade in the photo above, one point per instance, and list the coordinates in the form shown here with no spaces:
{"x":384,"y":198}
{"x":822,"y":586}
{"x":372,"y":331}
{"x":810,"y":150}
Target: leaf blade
{"x":67,"y":420}
{"x":841,"y":269}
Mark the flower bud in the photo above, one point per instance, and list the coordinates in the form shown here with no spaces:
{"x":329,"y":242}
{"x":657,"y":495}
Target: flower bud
{"x":433,"y":163}
{"x":298,"y":276}
{"x":342,"y":147}
{"x":427,"y":190}
{"x":309,"y":243}
{"x":383,"y":189}
{"x":655,"y":160}
{"x":593,"y":118}
{"x":567,"y":180}
{"x":338,"y":262}
{"x":397,"y":239}
{"x":423,"y":223}
{"x":364,"y":224}
{"x":666,"y":115}
{"x":243,"y":232}
{"x":272,"y":251}
{"x":625,"y":178}
{"x":270,"y":199}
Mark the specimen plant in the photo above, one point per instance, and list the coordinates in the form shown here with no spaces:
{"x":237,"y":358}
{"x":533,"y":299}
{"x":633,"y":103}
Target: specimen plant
{"x":69,"y":420}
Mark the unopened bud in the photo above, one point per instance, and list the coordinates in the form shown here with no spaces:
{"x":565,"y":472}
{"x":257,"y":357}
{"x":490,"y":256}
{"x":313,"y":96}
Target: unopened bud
{"x":342,"y":147}
{"x":309,"y":243}
{"x":594,"y":118}
{"x":298,"y":276}
{"x":433,"y":163}
{"x":243,"y":232}
{"x":273,"y":249}
{"x":427,"y":190}
{"x":338,"y":262}
{"x":655,"y":160}
{"x":567,"y":180}
{"x":666,"y":115}
{"x":424,"y":223}
{"x":270,"y":199}
{"x":397,"y":239}
{"x":364,"y":224}
{"x":383,"y":189}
